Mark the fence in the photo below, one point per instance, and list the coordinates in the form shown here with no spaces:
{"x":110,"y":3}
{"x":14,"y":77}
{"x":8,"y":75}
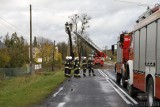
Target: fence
{"x":7,"y":72}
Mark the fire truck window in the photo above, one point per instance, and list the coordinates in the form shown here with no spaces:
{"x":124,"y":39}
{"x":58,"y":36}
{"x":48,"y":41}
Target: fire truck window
{"x":119,"y":53}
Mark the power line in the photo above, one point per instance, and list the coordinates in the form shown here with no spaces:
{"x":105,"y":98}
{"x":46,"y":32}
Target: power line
{"x":14,"y":26}
{"x":137,"y":3}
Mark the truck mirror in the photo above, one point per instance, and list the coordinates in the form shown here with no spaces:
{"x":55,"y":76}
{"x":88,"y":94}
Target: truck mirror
{"x":121,"y":38}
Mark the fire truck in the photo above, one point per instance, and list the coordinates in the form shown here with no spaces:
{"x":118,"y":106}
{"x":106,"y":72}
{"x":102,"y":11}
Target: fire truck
{"x":99,"y":58}
{"x":123,"y":50}
{"x":139,"y":67}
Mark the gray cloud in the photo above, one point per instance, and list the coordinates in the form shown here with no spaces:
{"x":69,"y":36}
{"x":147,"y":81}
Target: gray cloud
{"x":109,"y":17}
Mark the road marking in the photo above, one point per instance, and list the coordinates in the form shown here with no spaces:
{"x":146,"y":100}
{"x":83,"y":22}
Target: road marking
{"x":55,"y":94}
{"x":120,"y":94}
{"x":135,"y":102}
{"x":61,"y":104}
{"x":122,"y":91}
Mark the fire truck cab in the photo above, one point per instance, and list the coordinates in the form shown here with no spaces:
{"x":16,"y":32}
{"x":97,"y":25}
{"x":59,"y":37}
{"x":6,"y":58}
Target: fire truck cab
{"x":123,"y":50}
{"x":99,"y":58}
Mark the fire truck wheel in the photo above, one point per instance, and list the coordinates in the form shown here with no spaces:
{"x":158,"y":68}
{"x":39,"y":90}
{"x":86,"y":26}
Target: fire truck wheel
{"x":118,"y":78}
{"x":150,"y":93}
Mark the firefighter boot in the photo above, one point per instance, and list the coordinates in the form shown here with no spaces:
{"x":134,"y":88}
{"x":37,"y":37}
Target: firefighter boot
{"x":89,"y":72}
{"x":84,"y":75}
{"x":66,"y":71}
{"x":79,"y":75}
{"x":84,"y":72}
{"x":93,"y":72}
{"x":75,"y":73}
{"x":69,"y":73}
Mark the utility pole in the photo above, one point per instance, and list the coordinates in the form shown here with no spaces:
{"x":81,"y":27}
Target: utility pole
{"x":53,"y":55}
{"x":31,"y":57}
{"x":106,"y":48}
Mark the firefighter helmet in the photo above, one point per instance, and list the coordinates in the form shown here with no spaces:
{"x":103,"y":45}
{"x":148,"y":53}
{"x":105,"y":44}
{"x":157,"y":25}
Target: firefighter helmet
{"x":84,"y":58}
{"x":70,"y":57}
{"x":67,"y":57}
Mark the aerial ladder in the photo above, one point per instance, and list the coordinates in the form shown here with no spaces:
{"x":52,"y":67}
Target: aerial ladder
{"x":99,"y":55}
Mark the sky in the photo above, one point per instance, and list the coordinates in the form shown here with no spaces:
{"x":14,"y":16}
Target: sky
{"x":108,"y":18}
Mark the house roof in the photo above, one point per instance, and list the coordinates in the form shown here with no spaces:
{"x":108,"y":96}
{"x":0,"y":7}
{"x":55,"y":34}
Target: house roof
{"x":2,"y":45}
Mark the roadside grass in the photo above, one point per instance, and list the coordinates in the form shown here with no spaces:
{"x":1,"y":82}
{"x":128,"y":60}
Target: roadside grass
{"x":28,"y":90}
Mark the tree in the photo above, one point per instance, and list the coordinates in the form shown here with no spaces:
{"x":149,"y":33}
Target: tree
{"x":17,"y":49}
{"x":84,"y":20}
{"x":74,"y":19}
{"x":45,"y":47}
{"x":62,"y":48}
{"x":4,"y":56}
{"x":35,"y":42}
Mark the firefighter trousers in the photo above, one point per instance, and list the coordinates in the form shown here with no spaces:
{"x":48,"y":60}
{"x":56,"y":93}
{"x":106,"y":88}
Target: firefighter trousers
{"x":68,"y":72}
{"x":84,"y":72}
{"x":91,"y":70}
{"x":76,"y":73}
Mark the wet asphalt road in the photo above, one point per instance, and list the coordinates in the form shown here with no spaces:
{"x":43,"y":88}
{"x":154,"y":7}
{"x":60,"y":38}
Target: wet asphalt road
{"x":86,"y":92}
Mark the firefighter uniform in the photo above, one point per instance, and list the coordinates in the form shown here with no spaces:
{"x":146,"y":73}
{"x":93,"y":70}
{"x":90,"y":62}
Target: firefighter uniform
{"x":68,"y":66}
{"x":90,"y":67}
{"x":84,"y":66}
{"x":66,"y":69}
{"x":76,"y":68}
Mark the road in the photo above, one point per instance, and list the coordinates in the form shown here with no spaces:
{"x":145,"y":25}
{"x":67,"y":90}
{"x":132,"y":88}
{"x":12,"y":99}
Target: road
{"x":93,"y":91}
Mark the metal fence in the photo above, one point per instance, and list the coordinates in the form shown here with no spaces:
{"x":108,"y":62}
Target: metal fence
{"x":7,"y":72}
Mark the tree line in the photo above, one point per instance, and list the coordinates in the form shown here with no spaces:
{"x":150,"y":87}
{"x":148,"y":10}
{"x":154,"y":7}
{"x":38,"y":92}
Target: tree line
{"x":16,"y":51}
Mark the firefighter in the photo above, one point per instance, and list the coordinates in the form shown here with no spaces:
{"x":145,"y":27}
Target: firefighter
{"x":84,"y":65}
{"x":66,"y":69}
{"x":76,"y":67}
{"x":70,"y":66}
{"x":90,"y":67}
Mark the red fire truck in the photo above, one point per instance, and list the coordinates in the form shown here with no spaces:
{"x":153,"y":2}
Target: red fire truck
{"x":123,"y":50}
{"x":142,"y":69}
{"x":99,"y":58}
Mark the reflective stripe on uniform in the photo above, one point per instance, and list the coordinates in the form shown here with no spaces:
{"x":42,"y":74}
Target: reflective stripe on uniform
{"x":68,"y":74}
{"x":76,"y":74}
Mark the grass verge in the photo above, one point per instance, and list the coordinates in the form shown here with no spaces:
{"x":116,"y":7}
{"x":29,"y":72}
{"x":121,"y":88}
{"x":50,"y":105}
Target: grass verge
{"x":27,"y":90}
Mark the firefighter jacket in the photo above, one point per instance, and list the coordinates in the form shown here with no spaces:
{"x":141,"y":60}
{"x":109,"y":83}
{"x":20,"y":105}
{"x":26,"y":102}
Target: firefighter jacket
{"x":84,"y":64}
{"x":68,"y":64}
{"x":90,"y":64}
{"x":76,"y":65}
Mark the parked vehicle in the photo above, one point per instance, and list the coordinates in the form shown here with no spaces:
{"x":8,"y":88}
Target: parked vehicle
{"x":138,"y":57}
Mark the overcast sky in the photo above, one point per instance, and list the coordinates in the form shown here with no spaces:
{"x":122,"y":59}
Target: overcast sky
{"x":109,"y":17}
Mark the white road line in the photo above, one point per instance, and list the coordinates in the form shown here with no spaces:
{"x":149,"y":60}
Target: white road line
{"x":55,"y":94}
{"x":120,"y":94}
{"x":135,"y":102}
{"x":61,"y":104}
